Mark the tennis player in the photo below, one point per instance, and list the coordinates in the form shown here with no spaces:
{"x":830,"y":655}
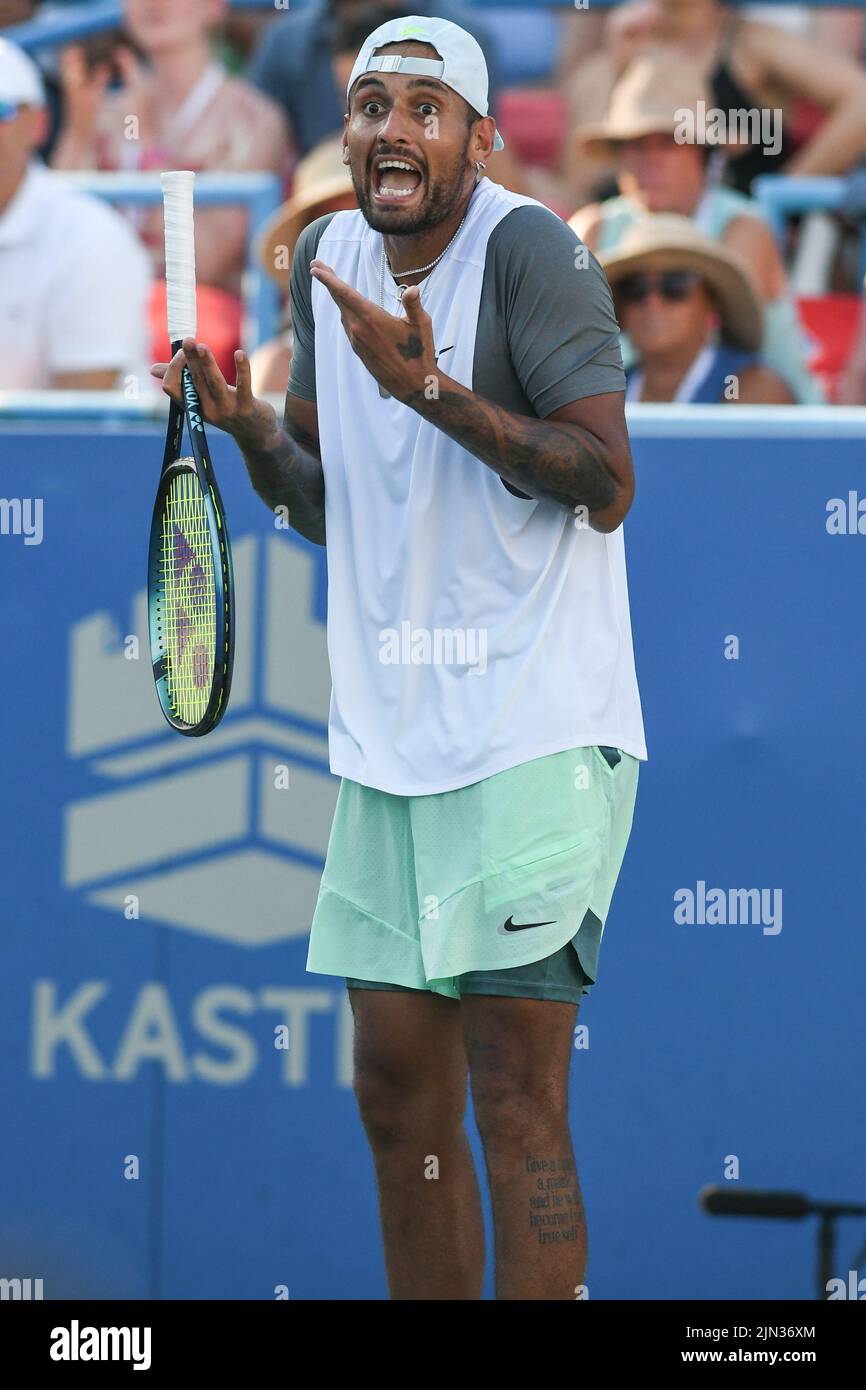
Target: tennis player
{"x":461,"y":445}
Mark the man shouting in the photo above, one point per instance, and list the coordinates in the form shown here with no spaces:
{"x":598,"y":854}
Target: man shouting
{"x":454,"y":432}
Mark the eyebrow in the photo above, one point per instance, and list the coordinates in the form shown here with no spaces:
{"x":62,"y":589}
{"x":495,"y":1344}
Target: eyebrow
{"x":430,"y":82}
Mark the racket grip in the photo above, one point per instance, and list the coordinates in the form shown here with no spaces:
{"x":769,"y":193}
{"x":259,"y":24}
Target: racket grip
{"x":177,"y":193}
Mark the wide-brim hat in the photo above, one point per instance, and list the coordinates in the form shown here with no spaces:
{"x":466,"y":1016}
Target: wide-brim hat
{"x":320,"y":177}
{"x":660,"y":92}
{"x":665,"y":241}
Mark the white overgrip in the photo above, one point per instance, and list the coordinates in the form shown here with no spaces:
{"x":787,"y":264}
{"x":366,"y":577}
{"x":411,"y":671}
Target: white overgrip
{"x":177,"y":200}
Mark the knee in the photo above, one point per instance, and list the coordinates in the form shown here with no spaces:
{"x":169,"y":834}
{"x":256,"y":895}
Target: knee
{"x":514,"y":1107}
{"x":397,"y":1107}
{"x":383,"y":1102}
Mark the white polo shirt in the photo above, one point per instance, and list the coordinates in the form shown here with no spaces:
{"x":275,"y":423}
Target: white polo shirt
{"x":74,"y":286}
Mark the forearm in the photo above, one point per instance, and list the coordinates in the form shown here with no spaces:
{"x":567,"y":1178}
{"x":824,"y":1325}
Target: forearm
{"x":74,"y":150}
{"x":284,"y":474}
{"x":558,"y":462}
{"x":837,"y":145}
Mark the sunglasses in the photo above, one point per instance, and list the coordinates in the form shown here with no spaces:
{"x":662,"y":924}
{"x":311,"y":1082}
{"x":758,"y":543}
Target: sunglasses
{"x":8,"y":111}
{"x":673,"y":286}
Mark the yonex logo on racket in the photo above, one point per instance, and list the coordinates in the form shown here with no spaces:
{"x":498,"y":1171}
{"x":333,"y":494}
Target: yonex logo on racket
{"x":191,"y":398}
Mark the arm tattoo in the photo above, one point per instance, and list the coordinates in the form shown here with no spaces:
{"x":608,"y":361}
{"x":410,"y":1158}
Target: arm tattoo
{"x":287,"y":474}
{"x":558,"y":461}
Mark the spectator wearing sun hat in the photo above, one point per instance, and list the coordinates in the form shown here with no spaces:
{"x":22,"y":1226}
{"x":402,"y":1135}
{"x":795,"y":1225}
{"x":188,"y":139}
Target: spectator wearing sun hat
{"x":661,"y":173}
{"x":693,"y":316}
{"x":322,"y":184}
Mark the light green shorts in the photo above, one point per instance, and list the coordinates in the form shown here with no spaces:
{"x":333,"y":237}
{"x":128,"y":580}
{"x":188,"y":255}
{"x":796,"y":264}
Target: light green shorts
{"x":418,"y":891}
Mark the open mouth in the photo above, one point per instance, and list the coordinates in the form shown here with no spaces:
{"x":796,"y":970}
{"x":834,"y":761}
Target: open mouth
{"x":395,"y":180}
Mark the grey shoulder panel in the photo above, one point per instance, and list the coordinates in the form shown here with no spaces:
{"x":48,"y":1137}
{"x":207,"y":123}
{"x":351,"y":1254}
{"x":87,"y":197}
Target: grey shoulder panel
{"x":554,"y":301}
{"x":547,"y":333}
{"x":302,"y":375}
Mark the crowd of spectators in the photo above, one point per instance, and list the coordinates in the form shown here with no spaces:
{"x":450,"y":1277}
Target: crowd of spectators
{"x":705,"y":293}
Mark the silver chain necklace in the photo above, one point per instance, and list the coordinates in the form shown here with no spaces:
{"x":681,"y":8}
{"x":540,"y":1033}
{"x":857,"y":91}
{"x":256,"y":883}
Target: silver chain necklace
{"x":421,"y":269}
{"x":401,"y":289}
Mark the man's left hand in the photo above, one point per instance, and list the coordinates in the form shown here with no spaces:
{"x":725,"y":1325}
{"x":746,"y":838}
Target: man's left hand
{"x":398,"y":352}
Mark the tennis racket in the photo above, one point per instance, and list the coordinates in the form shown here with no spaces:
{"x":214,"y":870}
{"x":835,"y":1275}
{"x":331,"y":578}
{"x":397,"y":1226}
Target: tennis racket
{"x":190,"y":588}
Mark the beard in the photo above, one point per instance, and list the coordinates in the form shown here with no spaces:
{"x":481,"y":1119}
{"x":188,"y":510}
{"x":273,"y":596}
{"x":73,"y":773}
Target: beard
{"x":444,"y":194}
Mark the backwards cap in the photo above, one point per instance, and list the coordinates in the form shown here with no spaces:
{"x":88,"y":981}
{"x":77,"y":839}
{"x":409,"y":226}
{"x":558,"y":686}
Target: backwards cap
{"x":461,"y":64}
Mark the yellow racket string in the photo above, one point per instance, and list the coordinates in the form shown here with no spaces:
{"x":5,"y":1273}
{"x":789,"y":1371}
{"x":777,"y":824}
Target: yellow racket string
{"x":188,"y":599}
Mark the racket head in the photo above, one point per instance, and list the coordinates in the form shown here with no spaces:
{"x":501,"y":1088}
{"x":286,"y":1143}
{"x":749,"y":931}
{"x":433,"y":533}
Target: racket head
{"x":190,"y":600}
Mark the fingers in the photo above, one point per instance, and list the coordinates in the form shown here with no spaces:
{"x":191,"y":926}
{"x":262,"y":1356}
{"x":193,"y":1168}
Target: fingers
{"x":76,"y":75}
{"x":204,"y":371}
{"x":341,"y":293}
{"x":71,"y":64}
{"x":130,"y":68}
{"x":411,"y":302}
{"x":243,"y":379}
{"x":212,"y":387}
{"x":170,"y":373}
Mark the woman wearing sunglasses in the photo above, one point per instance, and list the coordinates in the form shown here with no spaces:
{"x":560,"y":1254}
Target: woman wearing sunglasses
{"x":660,"y":171}
{"x":693,"y":316}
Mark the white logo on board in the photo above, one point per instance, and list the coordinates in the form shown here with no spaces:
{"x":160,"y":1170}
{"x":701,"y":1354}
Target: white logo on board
{"x":225,"y":835}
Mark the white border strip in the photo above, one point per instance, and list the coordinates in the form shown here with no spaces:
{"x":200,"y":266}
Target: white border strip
{"x":746,"y":421}
{"x":644,"y":421}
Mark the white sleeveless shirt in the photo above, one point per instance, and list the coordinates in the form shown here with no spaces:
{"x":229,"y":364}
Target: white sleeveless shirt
{"x":469,"y":630}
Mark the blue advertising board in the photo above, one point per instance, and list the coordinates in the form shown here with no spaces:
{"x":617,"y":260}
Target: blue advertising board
{"x":161,"y":1142}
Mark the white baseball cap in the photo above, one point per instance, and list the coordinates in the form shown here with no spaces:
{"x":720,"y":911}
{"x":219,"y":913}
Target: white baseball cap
{"x":461,"y":64}
{"x":20,"y":80}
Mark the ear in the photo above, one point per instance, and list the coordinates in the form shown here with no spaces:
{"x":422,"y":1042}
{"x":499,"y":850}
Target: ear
{"x":483,"y":138}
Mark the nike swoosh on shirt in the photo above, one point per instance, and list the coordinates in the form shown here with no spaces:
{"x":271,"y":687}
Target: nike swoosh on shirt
{"x":511,"y":925}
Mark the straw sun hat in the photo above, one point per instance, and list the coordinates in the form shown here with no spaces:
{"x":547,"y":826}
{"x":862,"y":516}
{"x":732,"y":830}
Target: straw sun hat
{"x":321,"y":177}
{"x":666,"y":241}
{"x":650,"y":98}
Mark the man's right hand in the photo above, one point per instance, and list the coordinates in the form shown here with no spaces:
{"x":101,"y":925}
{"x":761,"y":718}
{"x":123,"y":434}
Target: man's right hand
{"x":231,"y":408}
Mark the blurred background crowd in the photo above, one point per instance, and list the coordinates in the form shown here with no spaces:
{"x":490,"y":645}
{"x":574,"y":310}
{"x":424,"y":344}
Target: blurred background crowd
{"x":726,"y":290}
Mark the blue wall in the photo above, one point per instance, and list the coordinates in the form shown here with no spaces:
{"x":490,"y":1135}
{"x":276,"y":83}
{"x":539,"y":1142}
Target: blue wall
{"x":705,"y":1040}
